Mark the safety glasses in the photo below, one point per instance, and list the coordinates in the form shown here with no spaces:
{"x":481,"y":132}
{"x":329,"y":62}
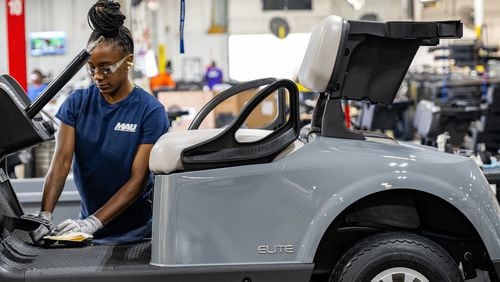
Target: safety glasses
{"x":106,"y":71}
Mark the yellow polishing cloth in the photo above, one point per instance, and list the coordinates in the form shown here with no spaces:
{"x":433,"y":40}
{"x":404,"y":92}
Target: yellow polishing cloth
{"x":70,"y":236}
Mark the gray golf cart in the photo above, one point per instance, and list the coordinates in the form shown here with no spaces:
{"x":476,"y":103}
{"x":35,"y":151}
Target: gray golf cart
{"x":240,"y":204}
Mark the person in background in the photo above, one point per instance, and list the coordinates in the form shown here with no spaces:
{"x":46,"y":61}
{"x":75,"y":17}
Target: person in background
{"x":106,"y":133}
{"x":213,"y":75}
{"x":163,"y":81}
{"x":36,"y":85}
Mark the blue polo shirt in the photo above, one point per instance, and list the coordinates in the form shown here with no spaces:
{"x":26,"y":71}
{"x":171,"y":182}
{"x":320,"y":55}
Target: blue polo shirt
{"x":107,"y":137}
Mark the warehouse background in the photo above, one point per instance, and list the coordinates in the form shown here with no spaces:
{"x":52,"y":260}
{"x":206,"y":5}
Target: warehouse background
{"x":209,"y":24}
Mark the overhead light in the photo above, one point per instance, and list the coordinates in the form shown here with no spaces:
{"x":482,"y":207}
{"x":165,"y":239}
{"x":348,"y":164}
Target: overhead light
{"x":153,"y":5}
{"x":356,"y":4}
{"x":430,"y":3}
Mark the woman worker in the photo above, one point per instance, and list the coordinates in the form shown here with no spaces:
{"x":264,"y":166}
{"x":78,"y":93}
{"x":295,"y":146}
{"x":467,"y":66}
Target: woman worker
{"x":107,"y":133}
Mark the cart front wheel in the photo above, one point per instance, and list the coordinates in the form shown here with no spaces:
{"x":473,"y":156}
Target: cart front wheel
{"x":391,"y":257}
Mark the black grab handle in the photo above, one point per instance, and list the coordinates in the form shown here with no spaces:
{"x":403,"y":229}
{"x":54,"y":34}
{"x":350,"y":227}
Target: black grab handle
{"x":224,"y":95}
{"x":224,"y":150}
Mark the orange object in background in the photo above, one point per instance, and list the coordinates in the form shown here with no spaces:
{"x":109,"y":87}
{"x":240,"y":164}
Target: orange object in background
{"x":161,"y":81}
{"x":164,"y":80}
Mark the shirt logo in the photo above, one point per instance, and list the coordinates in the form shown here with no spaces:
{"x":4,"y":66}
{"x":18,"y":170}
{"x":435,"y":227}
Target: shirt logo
{"x":126,"y":127}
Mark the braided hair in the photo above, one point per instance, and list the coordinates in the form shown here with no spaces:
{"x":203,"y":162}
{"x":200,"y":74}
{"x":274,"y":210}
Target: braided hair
{"x":106,"y":19}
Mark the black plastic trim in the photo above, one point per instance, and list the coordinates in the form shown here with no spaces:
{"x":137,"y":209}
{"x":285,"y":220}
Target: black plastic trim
{"x":372,"y":60}
{"x":17,"y":88}
{"x":334,"y":84}
{"x":374,"y":57}
{"x":317,"y":117}
{"x":244,"y":273}
{"x":497,"y":267}
{"x":408,"y":30}
{"x":12,"y":105}
{"x":224,"y":150}
{"x":334,"y":122}
{"x":9,"y":202}
{"x":381,"y":64}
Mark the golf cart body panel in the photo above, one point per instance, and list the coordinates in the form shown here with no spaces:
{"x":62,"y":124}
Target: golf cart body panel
{"x":257,"y":211}
{"x":287,"y":205}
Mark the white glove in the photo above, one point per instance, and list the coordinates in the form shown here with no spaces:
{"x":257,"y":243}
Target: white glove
{"x":43,"y":229}
{"x":89,"y":225}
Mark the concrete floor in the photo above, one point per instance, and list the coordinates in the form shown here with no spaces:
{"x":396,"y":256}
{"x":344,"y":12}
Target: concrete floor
{"x":482,"y":276}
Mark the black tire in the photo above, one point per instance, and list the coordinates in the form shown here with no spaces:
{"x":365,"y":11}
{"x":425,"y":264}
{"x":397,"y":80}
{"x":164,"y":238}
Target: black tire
{"x":387,"y":251}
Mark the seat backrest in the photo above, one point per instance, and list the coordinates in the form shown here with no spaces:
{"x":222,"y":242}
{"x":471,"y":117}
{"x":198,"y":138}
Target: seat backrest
{"x":322,"y":53}
{"x":362,"y":60}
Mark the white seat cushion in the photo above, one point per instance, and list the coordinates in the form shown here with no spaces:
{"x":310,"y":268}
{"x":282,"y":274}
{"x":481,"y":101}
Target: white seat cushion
{"x":166,"y":153}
